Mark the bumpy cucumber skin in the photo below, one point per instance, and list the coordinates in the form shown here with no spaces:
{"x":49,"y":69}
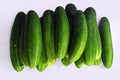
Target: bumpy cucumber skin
{"x":70,"y":10}
{"x":93,"y":47}
{"x":79,"y":37}
{"x":62,"y":32}
{"x":33,"y":38}
{"x":106,"y":38}
{"x":80,"y":62}
{"x":14,"y":42}
{"x":48,"y":34}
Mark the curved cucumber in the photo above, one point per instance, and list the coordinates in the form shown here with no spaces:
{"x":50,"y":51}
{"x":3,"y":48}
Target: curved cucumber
{"x":93,"y":47}
{"x":14,"y":41}
{"x":106,"y":39}
{"x":33,"y":38}
{"x":70,"y":10}
{"x":48,"y":34}
{"x":62,"y":32}
{"x":79,"y":37}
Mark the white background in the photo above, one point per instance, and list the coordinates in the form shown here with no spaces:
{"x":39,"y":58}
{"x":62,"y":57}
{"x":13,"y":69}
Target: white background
{"x":8,"y":11}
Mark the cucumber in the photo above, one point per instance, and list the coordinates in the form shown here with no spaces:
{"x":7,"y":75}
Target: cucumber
{"x":93,"y":47}
{"x":15,"y":40}
{"x":62,"y":32}
{"x":48,"y":34}
{"x":33,"y":38}
{"x":80,"y":62}
{"x":43,"y":61}
{"x":79,"y":37}
{"x":23,"y":56}
{"x":70,"y":10}
{"x":106,"y":39}
{"x":97,"y":62}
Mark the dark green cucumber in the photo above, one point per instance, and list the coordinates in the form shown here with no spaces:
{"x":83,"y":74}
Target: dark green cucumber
{"x":62,"y":32}
{"x":15,"y":40}
{"x":43,"y":61}
{"x":33,"y":38}
{"x":93,"y":47}
{"x":97,"y":62}
{"x":79,"y":37}
{"x":23,"y":56}
{"x":70,"y":10}
{"x":48,"y":34}
{"x":80,"y":62}
{"x":106,"y":39}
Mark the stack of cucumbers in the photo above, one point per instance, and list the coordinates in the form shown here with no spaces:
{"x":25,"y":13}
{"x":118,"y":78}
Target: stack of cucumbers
{"x":69,"y":35}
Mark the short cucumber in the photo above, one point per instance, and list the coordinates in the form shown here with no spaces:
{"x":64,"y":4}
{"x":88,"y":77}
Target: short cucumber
{"x":14,"y":41}
{"x":97,"y":62}
{"x":62,"y":32}
{"x":70,"y":10}
{"x":48,"y":34}
{"x":106,"y":39}
{"x":33,"y":38}
{"x":79,"y":37}
{"x":93,"y":47}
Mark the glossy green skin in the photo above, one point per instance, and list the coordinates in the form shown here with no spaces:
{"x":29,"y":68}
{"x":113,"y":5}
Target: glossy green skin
{"x":79,"y":37}
{"x":93,"y":47}
{"x":49,"y":34}
{"x":107,"y":48}
{"x":80,"y":62}
{"x":43,"y":61}
{"x":14,"y":41}
{"x":62,"y":32}
{"x":33,"y":38}
{"x":70,"y":10}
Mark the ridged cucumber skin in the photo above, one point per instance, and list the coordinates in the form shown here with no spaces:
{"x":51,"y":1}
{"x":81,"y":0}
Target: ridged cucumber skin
{"x":106,"y":39}
{"x":33,"y":38}
{"x":79,"y":37}
{"x":49,"y":34}
{"x":43,"y":61}
{"x":80,"y":62}
{"x":62,"y":32}
{"x":97,"y":62}
{"x":70,"y":10}
{"x":14,"y":42}
{"x":93,"y":47}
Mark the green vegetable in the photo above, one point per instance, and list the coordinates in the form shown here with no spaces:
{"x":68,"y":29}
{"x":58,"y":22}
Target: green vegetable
{"x":93,"y":47}
{"x":62,"y":32}
{"x":32,"y":38}
{"x":106,"y":38}
{"x":97,"y":62}
{"x":49,"y":34}
{"x":15,"y":41}
{"x":80,"y":62}
{"x":79,"y":37}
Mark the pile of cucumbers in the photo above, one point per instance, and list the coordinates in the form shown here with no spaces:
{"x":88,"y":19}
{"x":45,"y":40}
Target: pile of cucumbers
{"x":69,"y":35}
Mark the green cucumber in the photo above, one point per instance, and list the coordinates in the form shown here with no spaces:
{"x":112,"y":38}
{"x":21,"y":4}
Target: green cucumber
{"x":48,"y":34}
{"x":70,"y":10}
{"x":80,"y":62}
{"x":79,"y":37}
{"x":93,"y":47}
{"x":43,"y":61}
{"x":62,"y":32}
{"x":32,"y":38}
{"x":15,"y":41}
{"x":106,"y":39}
